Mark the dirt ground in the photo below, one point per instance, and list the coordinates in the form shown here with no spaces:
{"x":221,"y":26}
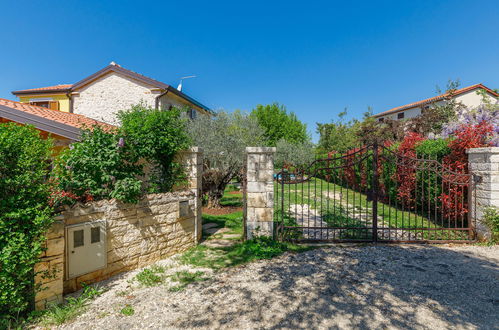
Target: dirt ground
{"x":338,"y":287}
{"x":221,"y":211}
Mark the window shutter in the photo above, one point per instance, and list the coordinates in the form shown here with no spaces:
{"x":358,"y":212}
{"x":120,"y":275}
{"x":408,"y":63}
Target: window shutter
{"x":54,"y":105}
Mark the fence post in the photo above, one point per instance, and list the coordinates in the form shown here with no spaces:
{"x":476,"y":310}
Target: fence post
{"x":484,"y":165}
{"x":259,"y":191}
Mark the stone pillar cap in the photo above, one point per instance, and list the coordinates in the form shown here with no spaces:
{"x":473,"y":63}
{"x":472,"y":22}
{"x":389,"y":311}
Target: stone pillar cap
{"x":261,"y":150}
{"x":487,"y":150}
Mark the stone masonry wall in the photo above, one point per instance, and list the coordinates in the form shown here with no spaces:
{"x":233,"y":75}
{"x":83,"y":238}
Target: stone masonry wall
{"x":50,"y":270}
{"x":137,"y":234}
{"x":484,"y":162}
{"x":103,"y":98}
{"x":260,"y":191}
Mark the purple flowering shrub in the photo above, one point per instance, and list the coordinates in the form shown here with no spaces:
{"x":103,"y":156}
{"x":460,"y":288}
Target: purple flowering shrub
{"x":466,"y":117}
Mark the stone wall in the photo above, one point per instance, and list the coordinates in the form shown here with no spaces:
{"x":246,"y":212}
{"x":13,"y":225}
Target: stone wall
{"x":484,"y":163}
{"x":137,"y":235}
{"x":104,"y":97}
{"x":259,"y":191}
{"x":50,"y":270}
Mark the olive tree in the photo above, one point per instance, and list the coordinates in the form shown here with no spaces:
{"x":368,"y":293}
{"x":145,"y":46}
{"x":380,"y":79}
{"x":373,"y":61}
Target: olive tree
{"x":223,"y":138}
{"x":299,"y":155}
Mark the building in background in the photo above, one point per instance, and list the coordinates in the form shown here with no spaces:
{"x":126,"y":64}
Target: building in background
{"x":468,"y":97}
{"x":101,"y":95}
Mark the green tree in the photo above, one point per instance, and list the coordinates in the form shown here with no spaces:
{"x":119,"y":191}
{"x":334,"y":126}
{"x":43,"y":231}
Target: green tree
{"x":102,"y":165}
{"x":157,"y":136}
{"x":278,"y":124}
{"x":339,"y":135}
{"x":25,"y":214}
{"x":224,"y":139}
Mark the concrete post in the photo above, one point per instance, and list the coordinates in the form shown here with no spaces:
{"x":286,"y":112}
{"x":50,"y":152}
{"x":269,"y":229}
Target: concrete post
{"x":192,"y":159}
{"x":484,"y":162}
{"x":260,"y":191}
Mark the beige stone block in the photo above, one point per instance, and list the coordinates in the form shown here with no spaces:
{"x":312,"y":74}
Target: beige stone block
{"x":49,"y":290}
{"x":265,"y":175}
{"x":121,"y":213}
{"x":256,"y":199}
{"x":256,"y":229}
{"x":56,"y":230}
{"x":264,"y":214}
{"x":55,"y":246}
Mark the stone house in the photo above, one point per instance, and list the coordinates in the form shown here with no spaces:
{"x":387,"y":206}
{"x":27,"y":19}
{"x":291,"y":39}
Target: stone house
{"x":468,"y":97}
{"x":101,"y":95}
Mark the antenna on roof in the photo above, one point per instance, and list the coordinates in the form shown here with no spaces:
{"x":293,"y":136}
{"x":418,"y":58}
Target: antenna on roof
{"x":179,"y":87}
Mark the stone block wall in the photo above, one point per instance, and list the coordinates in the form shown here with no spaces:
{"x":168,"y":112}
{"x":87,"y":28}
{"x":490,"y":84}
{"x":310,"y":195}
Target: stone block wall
{"x":137,"y":234}
{"x":50,"y":270}
{"x":259,"y":191}
{"x":484,"y":163}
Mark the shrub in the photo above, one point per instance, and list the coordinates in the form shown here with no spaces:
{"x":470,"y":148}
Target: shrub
{"x":491,"y":220}
{"x":157,"y":136}
{"x":102,"y":165}
{"x":433,"y":149}
{"x":24,"y":213}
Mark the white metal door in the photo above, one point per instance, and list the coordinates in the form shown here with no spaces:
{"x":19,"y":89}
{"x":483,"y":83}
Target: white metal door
{"x":86,"y":247}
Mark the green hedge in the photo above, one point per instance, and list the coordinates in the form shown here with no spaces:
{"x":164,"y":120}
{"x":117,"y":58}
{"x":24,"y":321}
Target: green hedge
{"x":24,"y":214}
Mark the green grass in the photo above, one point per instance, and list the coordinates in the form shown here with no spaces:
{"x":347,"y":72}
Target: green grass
{"x":62,"y":313}
{"x":151,"y":276}
{"x":237,"y":254}
{"x":231,"y":199}
{"x":127,"y":310}
{"x":336,"y":214}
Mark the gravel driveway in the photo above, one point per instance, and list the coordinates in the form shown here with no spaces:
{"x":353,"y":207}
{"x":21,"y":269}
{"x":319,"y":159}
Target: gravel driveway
{"x":339,"y":287}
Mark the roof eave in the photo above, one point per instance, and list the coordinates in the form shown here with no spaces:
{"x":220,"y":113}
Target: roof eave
{"x":53,"y":91}
{"x":189,"y":99}
{"x":43,"y":124}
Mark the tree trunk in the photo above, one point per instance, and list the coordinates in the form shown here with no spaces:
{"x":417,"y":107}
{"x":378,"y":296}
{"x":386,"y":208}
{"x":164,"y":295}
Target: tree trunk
{"x":214,"y":196}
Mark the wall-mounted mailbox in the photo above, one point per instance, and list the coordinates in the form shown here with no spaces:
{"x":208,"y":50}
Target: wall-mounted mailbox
{"x":86,"y":247}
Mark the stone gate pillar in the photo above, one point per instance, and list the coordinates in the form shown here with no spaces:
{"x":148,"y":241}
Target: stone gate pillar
{"x":484,"y":162}
{"x":192,"y":160}
{"x":259,"y":191}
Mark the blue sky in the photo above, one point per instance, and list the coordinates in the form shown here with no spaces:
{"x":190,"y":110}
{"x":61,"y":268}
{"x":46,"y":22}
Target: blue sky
{"x":314,"y":57}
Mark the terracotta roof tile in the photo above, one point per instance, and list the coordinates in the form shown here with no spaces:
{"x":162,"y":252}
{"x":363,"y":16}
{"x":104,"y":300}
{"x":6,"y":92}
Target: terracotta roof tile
{"x":437,"y":98}
{"x":48,"y":88}
{"x":71,"y":119}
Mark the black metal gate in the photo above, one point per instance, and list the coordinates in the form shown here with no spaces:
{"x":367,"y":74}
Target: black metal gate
{"x":373,"y":194}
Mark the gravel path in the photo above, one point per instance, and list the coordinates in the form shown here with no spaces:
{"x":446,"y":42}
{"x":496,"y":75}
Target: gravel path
{"x":339,"y":287}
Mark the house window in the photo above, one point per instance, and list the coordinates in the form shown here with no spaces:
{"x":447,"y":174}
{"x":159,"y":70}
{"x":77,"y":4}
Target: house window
{"x":192,"y":114}
{"x":54,"y":105}
{"x":400,"y":115}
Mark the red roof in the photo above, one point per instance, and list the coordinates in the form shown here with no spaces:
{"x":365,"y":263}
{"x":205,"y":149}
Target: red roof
{"x":63,"y":87}
{"x":71,"y":119}
{"x":437,"y":98}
